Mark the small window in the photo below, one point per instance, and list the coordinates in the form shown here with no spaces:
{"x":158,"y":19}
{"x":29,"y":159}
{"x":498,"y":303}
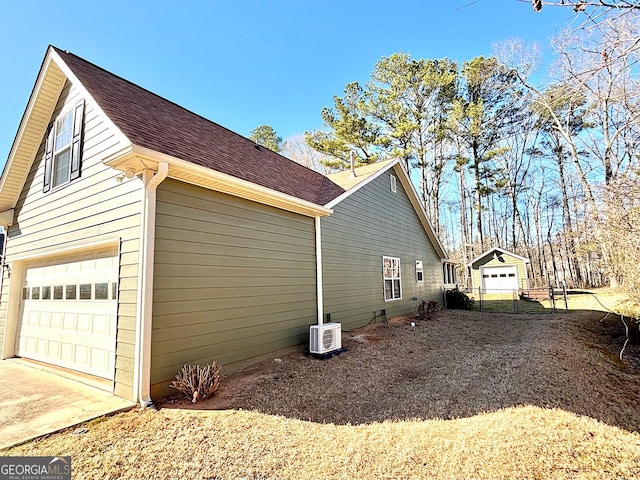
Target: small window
{"x":114,"y":290}
{"x":503,"y":275}
{"x":46,"y":293}
{"x":35,"y":293}
{"x":63,"y":149}
{"x":102,"y":291}
{"x":392,"y":282}
{"x":484,"y":275}
{"x":392,"y":180}
{"x":57,"y":292}
{"x":85,"y":291}
{"x":512,"y":275}
{"x":494,"y":275}
{"x":419,"y":271}
{"x":71,"y":292}
{"x":25,"y":293}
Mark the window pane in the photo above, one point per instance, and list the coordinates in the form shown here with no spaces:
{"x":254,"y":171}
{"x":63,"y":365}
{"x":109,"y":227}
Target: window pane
{"x":387,"y":267}
{"x":57,"y":292}
{"x":102,"y":291}
{"x":46,"y":293}
{"x":114,"y":291}
{"x":25,"y":293}
{"x":85,"y":291}
{"x":388,"y":293}
{"x":396,"y":268}
{"x":64,"y":131}
{"x":61,"y":167}
{"x":396,"y":289}
{"x":35,"y":293}
{"x":71,"y":292}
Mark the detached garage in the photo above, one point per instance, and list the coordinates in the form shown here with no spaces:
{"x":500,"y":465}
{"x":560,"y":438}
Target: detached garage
{"x":498,"y":270}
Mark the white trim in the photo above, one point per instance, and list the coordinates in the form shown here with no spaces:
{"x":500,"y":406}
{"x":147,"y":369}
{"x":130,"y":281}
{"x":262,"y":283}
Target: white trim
{"x":419,"y":269}
{"x":144,"y":314}
{"x":393,"y":183}
{"x":67,"y":249}
{"x":249,"y":190}
{"x":384,"y":279}
{"x":357,"y":187}
{"x":319,"y":291}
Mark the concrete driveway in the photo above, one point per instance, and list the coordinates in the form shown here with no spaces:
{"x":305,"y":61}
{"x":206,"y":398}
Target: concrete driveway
{"x":35,"y":402}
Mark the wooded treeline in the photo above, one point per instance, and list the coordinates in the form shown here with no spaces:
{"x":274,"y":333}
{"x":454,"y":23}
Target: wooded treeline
{"x":547,"y":168}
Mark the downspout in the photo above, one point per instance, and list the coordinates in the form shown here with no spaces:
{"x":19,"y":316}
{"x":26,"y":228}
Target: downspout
{"x":319,"y":293}
{"x":142,"y":366}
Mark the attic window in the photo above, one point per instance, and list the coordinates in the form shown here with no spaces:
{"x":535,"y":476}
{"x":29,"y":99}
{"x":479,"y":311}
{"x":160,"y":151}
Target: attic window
{"x":392,"y":180}
{"x":63,"y":149}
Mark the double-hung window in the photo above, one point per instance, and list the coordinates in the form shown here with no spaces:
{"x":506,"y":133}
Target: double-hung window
{"x":391,"y":274}
{"x":63,"y":148}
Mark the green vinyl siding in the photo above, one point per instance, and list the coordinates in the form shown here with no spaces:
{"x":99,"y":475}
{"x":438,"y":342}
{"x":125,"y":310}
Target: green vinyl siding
{"x":371,"y":223}
{"x":233,"y":279}
{"x":92,"y":209}
{"x":490,"y":261}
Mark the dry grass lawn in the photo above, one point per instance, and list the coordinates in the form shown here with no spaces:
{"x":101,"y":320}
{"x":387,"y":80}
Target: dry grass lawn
{"x":468,"y":395}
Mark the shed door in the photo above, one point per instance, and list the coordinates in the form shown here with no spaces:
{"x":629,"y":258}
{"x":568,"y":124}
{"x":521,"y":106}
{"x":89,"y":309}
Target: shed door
{"x":502,"y":278}
{"x":69,"y":312}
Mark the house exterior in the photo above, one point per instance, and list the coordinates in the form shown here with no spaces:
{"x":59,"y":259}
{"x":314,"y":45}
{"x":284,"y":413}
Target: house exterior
{"x":142,"y":237}
{"x":498,"y":270}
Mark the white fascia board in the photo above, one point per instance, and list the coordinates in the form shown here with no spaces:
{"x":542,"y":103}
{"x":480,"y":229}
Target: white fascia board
{"x":149,"y":158}
{"x":33,"y":100}
{"x":358,"y":186}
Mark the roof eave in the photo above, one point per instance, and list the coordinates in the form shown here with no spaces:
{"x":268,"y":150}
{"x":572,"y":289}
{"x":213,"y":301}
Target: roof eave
{"x":31,"y":130}
{"x":136,"y":158}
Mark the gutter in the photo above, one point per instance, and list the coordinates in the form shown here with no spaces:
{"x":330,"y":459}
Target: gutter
{"x":142,"y":365}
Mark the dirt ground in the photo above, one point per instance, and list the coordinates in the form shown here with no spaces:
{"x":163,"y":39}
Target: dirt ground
{"x":458,"y":365}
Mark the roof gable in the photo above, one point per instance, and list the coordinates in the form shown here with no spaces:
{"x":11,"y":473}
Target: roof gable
{"x":368,"y":174}
{"x":157,"y":124}
{"x":496,"y":250}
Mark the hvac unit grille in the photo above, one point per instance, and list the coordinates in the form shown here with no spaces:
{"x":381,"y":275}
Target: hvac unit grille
{"x":325,"y":338}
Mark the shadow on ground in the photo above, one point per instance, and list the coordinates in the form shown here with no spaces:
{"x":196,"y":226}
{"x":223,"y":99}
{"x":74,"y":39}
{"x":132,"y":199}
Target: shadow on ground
{"x":459,"y":365}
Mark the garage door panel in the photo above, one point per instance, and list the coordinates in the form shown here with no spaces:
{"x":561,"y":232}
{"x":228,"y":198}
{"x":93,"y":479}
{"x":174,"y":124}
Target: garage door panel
{"x":69,"y":312}
{"x":502,"y":278}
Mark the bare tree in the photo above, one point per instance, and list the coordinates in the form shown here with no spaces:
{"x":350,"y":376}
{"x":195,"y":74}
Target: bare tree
{"x":295,"y":148}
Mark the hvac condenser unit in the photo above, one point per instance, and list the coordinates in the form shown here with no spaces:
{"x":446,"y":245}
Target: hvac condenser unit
{"x":325,"y":338}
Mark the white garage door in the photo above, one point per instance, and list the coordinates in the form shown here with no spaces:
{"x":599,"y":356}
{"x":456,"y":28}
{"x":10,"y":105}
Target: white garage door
{"x":69,"y":311}
{"x":503,"y":278}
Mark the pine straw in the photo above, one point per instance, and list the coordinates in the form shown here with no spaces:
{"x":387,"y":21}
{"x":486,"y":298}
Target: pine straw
{"x":466,"y":396}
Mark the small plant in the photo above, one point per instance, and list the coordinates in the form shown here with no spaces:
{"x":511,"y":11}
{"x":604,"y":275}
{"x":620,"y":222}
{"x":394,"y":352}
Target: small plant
{"x":458,"y":300}
{"x":426,"y":310}
{"x":197,"y":381}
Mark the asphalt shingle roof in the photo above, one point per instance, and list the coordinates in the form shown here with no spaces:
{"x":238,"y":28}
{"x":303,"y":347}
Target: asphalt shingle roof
{"x":153,"y":122}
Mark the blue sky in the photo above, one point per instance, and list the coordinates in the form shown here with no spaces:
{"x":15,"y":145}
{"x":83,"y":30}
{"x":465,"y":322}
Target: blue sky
{"x":247,"y":63}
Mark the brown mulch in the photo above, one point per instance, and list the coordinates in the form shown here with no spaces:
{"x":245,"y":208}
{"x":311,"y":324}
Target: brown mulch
{"x":459,"y":365}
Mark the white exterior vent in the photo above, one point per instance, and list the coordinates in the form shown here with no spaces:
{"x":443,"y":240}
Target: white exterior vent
{"x":325,"y":338}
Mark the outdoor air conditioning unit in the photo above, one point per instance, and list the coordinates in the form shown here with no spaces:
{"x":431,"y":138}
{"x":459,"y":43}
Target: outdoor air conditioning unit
{"x":325,"y":338}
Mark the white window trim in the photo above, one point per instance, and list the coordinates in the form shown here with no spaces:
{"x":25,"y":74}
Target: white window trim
{"x":392,"y":279}
{"x":419,"y":270}
{"x":57,"y":152}
{"x":393,"y":183}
